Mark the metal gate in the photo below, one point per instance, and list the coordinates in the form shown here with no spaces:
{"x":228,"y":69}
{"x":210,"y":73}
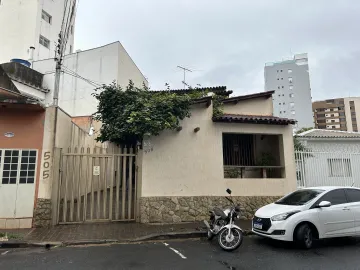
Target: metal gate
{"x":97,"y":186}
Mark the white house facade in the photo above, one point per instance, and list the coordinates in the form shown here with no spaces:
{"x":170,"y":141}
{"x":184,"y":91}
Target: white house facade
{"x":333,"y":158}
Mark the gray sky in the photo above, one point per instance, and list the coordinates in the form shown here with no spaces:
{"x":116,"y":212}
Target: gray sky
{"x":227,"y":42}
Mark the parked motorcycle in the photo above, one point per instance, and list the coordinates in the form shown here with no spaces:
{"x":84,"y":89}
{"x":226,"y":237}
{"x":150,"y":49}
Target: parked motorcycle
{"x":230,"y":236}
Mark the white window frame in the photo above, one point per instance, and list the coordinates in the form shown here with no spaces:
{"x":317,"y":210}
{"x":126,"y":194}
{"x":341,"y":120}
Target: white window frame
{"x":339,"y":167}
{"x":289,"y":70}
{"x":290,"y":80}
{"x":19,"y":163}
{"x":293,"y":112}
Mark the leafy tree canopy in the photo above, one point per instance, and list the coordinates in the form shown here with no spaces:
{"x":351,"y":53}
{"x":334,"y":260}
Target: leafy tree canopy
{"x":128,"y":115}
{"x":298,"y":146}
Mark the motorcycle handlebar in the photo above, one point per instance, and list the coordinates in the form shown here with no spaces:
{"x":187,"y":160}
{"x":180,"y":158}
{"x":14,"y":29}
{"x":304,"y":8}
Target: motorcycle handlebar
{"x":230,"y":200}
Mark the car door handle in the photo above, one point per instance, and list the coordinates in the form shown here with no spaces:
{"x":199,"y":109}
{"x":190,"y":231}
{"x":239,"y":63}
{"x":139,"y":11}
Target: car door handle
{"x":346,"y":209}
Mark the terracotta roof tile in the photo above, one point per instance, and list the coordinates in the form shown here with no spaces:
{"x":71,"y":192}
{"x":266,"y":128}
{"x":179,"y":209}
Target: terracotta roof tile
{"x":256,"y":119}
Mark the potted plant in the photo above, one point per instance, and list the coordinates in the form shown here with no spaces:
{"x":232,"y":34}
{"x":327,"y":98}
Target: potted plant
{"x":265,"y":160}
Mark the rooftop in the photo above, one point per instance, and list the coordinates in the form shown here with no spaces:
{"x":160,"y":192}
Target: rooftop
{"x":236,"y":99}
{"x":254,"y":119}
{"x":221,"y":90}
{"x":324,"y":133}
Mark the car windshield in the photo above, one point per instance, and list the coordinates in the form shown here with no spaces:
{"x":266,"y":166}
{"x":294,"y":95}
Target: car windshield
{"x":300,"y":197}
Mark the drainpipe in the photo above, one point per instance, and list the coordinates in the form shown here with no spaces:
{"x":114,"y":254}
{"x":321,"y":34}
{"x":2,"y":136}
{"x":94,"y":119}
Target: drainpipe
{"x":31,"y":54}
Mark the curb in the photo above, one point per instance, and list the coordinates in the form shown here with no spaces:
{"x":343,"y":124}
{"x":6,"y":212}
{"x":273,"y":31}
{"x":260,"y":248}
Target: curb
{"x":150,"y":237}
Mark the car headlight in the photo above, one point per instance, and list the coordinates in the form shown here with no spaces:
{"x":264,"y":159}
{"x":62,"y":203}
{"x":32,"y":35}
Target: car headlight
{"x":283,"y":216}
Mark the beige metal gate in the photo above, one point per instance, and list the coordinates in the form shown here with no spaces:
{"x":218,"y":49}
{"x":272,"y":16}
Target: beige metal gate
{"x":97,"y":186}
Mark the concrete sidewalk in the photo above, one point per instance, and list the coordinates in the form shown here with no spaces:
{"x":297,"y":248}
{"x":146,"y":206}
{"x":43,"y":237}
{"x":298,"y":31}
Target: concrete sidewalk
{"x":112,"y":232}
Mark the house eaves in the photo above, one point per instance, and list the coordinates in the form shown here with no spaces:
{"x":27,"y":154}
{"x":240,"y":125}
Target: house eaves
{"x":236,"y":99}
{"x":253,"y":119}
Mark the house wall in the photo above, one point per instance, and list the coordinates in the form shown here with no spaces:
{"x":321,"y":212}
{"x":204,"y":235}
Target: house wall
{"x":185,"y":168}
{"x":27,"y":124}
{"x":256,"y":106}
{"x":315,"y":168}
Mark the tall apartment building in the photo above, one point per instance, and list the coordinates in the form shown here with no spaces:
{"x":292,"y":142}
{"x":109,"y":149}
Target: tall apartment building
{"x":337,"y":114}
{"x":33,"y":23}
{"x":291,"y":82}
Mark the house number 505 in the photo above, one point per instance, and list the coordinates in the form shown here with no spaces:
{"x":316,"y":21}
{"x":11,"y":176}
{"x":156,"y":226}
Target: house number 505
{"x":46,"y":165}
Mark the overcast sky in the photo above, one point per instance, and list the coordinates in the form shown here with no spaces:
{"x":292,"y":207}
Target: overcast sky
{"x":227,"y":42}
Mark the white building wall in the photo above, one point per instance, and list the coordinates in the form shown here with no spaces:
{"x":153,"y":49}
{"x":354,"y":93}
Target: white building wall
{"x":186,"y":163}
{"x":21,"y":25}
{"x":317,"y":167}
{"x":101,"y":65}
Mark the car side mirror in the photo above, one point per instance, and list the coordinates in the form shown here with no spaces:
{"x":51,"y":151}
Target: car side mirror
{"x":324,"y":204}
{"x":228,"y":191}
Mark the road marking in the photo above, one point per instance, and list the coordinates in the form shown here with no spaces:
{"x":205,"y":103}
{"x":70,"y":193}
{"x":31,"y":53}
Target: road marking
{"x":176,"y":251}
{"x":6,"y":252}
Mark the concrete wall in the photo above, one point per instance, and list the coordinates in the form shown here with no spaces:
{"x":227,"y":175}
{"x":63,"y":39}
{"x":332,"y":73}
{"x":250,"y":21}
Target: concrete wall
{"x":101,"y":65}
{"x":349,"y":116}
{"x":256,"y":106}
{"x":22,"y":25}
{"x":186,"y":163}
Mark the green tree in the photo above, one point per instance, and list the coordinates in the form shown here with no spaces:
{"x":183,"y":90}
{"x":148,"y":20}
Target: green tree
{"x":128,"y":115}
{"x":298,"y":146}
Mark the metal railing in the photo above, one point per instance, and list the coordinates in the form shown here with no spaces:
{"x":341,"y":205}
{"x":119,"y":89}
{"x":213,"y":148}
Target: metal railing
{"x":327,"y":168}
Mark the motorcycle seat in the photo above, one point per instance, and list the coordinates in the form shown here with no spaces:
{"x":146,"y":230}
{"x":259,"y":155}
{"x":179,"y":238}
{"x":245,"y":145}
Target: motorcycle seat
{"x":220,"y":213}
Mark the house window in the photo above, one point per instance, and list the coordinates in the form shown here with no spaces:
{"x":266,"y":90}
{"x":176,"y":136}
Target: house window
{"x":46,"y":17}
{"x":44,"y":41}
{"x":339,"y":167}
{"x":290,"y":80}
{"x":18,"y":166}
{"x":248,"y":155}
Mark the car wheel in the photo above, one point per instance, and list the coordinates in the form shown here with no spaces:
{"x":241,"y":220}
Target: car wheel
{"x":304,"y":236}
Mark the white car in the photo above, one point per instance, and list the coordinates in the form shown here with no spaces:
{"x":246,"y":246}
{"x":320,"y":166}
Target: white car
{"x":310,"y":213}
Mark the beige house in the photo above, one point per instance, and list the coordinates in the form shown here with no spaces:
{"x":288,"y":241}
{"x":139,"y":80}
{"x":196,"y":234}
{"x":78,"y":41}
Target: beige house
{"x":186,"y":172}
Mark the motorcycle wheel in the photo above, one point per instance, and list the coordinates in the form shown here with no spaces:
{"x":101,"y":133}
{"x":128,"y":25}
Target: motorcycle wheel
{"x":210,"y":235}
{"x":232,"y":243}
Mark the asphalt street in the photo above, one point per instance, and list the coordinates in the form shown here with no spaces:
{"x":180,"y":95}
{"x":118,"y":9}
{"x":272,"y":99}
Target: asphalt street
{"x":255,"y":253}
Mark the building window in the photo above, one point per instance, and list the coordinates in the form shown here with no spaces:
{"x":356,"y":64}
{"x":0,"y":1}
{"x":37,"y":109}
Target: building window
{"x":18,"y":166}
{"x":280,"y":103}
{"x":46,"y":17}
{"x":339,"y":167}
{"x":71,"y":49}
{"x":282,"y":86}
{"x":292,"y":112}
{"x":282,"y":78}
{"x":284,"y":111}
{"x":332,"y":121}
{"x":44,"y":41}
{"x":290,"y":80}
{"x":291,"y":95}
{"x":292,"y":104}
{"x":278,"y":87}
{"x":243,"y":153}
{"x":291,"y":87}
{"x":278,"y":79}
{"x":289,"y":70}
{"x":281,"y":70}
{"x":72,"y":29}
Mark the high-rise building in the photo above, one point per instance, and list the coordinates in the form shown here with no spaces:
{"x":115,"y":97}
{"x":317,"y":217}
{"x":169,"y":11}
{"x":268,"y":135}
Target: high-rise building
{"x":291,"y":82}
{"x":337,"y":114}
{"x":36,"y":24}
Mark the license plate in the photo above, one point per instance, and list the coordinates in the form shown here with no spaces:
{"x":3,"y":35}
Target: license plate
{"x":257,"y":226}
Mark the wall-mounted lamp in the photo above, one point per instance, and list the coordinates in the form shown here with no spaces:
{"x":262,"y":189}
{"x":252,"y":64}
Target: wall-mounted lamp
{"x":196,"y":129}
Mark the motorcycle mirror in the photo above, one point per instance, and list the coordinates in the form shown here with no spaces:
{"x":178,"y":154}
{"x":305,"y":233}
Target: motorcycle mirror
{"x":228,"y":191}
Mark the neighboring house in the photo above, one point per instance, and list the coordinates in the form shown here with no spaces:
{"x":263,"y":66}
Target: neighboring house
{"x":185,"y":173}
{"x":291,"y":82}
{"x":337,"y":114}
{"x":35,"y":24}
{"x":85,"y":71}
{"x":332,"y":158}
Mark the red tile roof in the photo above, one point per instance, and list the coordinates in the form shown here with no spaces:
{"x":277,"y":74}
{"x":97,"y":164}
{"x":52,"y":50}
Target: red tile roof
{"x":267,"y":94}
{"x":255,"y":119}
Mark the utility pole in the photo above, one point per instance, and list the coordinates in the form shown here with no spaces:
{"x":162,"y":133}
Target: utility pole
{"x":58,"y":60}
{"x":184,"y":69}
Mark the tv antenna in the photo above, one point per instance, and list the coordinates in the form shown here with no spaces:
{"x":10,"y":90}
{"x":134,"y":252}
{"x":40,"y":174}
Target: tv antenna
{"x":184,"y":69}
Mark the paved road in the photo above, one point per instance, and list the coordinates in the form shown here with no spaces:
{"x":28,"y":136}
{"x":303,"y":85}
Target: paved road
{"x":255,"y":253}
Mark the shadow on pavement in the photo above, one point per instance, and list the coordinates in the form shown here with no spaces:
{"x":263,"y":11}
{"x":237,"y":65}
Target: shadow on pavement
{"x":321,"y":244}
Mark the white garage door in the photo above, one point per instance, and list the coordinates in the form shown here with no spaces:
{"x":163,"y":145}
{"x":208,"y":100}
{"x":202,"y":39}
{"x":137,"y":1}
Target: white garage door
{"x":17,"y":183}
